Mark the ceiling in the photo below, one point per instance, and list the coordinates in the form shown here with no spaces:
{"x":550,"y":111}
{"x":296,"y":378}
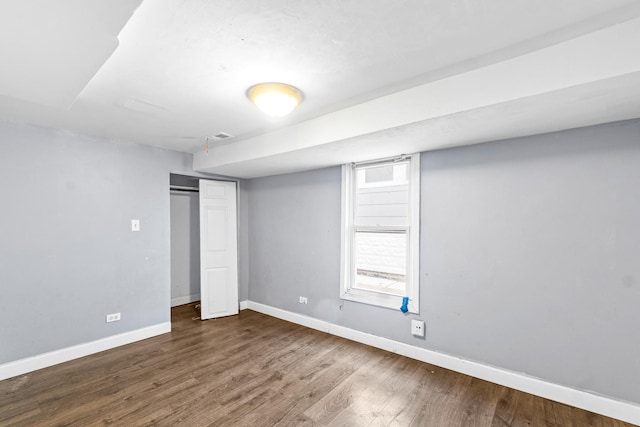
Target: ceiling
{"x":393,"y":77}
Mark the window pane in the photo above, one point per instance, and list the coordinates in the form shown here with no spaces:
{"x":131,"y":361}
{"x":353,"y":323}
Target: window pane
{"x":378,"y":174}
{"x":381,"y":262}
{"x":384,"y":202}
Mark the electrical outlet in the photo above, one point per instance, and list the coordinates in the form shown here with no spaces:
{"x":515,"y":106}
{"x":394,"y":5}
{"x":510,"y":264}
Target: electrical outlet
{"x":303,"y":300}
{"x":417,"y":328}
{"x":113,"y":317}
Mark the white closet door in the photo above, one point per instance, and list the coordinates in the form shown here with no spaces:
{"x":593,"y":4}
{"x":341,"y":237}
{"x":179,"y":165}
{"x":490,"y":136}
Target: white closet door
{"x":218,"y":249}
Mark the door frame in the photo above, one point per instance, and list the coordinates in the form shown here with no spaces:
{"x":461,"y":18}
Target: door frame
{"x":197,"y":176}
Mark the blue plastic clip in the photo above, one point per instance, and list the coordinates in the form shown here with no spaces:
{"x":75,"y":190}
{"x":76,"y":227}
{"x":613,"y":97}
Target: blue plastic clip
{"x":405,"y":303}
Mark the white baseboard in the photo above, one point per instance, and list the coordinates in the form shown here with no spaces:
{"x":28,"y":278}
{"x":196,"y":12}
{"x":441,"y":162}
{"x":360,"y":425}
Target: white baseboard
{"x":599,"y":404}
{"x":244,"y":305}
{"x":185,"y":300}
{"x":30,"y":364}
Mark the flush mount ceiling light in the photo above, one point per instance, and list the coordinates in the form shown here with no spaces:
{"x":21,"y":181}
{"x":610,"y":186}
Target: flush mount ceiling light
{"x":275,"y":99}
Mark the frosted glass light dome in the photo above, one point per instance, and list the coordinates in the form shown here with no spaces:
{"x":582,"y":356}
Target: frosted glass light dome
{"x":275,"y":99}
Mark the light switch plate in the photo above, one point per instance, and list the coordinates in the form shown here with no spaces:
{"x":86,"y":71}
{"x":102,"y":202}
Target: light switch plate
{"x":135,"y":225}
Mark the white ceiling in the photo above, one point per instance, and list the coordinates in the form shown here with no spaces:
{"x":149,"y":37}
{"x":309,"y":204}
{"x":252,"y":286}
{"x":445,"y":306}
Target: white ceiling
{"x":392,"y":77}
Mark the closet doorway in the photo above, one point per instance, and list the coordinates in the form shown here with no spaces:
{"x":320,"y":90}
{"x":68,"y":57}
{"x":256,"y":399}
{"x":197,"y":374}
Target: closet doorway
{"x":204,"y":255}
{"x":185,"y":239}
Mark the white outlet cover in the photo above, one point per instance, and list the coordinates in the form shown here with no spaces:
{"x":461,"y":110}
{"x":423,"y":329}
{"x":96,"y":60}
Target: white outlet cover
{"x":417,"y":328}
{"x":135,"y":225}
{"x":113,"y":317}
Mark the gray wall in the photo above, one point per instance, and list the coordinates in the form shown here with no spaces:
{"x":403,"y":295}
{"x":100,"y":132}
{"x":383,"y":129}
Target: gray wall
{"x":294,"y":241}
{"x":67,"y":253}
{"x":529,"y":255}
{"x":243,"y":241}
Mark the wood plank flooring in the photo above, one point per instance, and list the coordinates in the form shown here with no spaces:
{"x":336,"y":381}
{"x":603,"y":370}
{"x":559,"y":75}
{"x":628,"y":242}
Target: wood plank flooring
{"x":255,"y":370}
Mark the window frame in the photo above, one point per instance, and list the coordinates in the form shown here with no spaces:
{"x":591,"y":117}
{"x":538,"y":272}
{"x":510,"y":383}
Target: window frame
{"x":348,"y":235}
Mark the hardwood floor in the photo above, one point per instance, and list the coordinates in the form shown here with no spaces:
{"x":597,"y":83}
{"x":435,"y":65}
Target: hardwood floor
{"x":255,"y":370}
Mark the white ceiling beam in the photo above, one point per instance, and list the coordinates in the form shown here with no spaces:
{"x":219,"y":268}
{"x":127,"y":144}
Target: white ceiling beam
{"x":599,"y":56}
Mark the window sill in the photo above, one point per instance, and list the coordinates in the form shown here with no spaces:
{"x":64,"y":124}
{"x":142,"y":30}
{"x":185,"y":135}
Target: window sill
{"x":378,"y":299}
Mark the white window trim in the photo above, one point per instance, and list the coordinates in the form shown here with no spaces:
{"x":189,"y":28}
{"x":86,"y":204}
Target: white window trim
{"x":413,"y":236}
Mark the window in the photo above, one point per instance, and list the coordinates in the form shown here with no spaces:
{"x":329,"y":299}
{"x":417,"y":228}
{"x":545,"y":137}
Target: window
{"x":380,"y":232}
